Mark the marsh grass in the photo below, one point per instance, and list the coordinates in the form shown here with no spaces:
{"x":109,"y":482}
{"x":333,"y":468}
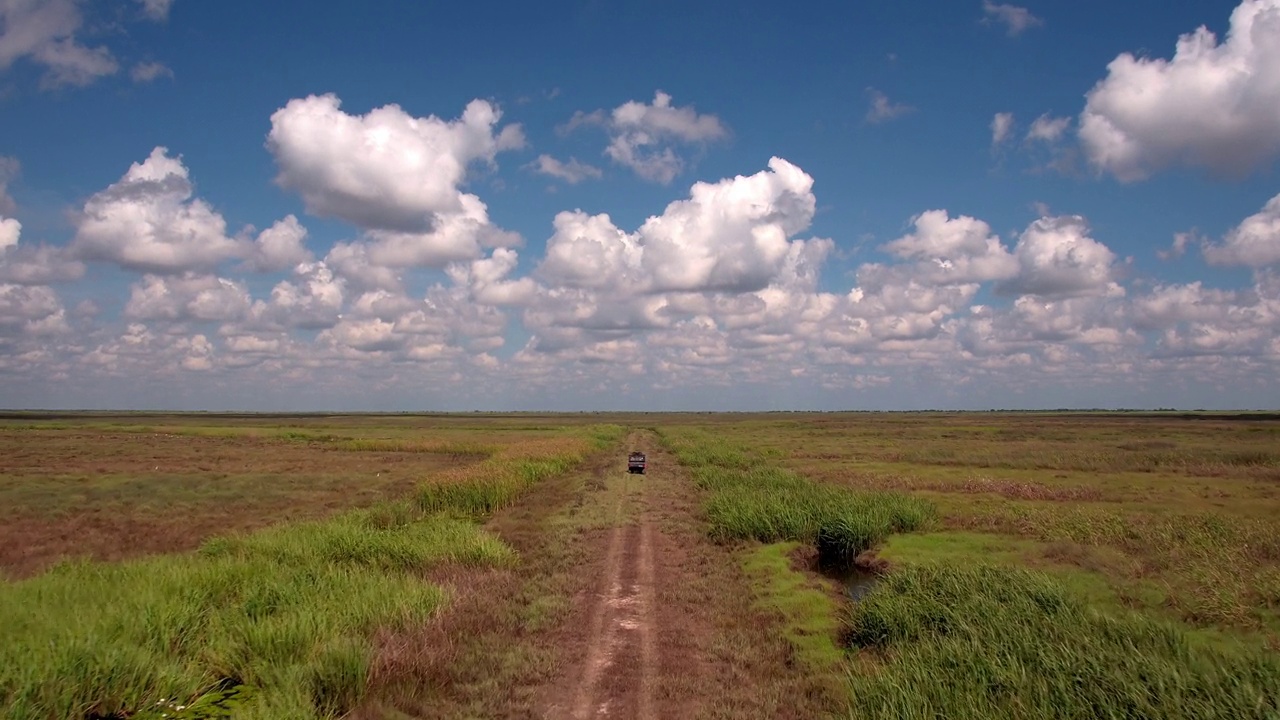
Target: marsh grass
{"x":496,"y":482}
{"x":288,"y":612}
{"x":750,"y":499}
{"x":992,"y":642}
{"x":284,"y":617}
{"x":1217,"y":571}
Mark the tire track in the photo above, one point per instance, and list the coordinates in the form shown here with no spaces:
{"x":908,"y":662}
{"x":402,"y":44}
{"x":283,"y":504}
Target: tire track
{"x":599,"y":653}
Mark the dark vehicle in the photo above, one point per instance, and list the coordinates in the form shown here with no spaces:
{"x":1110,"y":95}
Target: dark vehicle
{"x":636,"y":463}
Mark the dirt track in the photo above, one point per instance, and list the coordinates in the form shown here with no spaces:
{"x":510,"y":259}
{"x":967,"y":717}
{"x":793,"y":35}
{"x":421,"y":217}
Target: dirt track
{"x":620,"y":608}
{"x":632,"y":641}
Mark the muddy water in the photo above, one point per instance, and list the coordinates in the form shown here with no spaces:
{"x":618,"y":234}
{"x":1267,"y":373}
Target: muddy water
{"x":855,"y":581}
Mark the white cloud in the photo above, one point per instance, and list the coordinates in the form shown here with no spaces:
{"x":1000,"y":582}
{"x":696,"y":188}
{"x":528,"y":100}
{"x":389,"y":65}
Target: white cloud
{"x":148,"y":221}
{"x":36,"y":264}
{"x":574,"y":171}
{"x":1015,"y":19}
{"x":643,"y":137}
{"x":313,"y":299}
{"x":456,"y":236}
{"x":203,"y":298}
{"x":1167,"y":305}
{"x":10,"y":231}
{"x":883,"y":109}
{"x":145,"y":72}
{"x":953,"y":251}
{"x":1048,"y":129}
{"x":385,"y":170}
{"x":1057,"y":258}
{"x":156,"y":9}
{"x":43,"y":32}
{"x":1212,"y":106}
{"x":30,"y":309}
{"x":490,"y":281}
{"x":350,"y":261}
{"x":280,"y":246}
{"x":1254,"y":242}
{"x":728,"y":236}
{"x":1001,"y":127}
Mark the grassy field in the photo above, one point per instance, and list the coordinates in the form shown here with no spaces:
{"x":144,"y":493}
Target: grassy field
{"x":279,"y":622}
{"x":1030,"y":564}
{"x":1077,"y":566}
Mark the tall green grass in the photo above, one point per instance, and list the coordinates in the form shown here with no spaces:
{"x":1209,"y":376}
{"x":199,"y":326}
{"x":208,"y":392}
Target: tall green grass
{"x":750,"y":499}
{"x":289,"y":612}
{"x":1005,"y":643}
{"x":499,"y":480}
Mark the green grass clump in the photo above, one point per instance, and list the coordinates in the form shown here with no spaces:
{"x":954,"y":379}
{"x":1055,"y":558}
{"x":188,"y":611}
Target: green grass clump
{"x":289,"y":612}
{"x":499,"y":480}
{"x":993,"y":642}
{"x":496,"y":487}
{"x":749,"y":499}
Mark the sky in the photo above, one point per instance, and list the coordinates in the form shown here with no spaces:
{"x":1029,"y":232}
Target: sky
{"x":639,"y":205}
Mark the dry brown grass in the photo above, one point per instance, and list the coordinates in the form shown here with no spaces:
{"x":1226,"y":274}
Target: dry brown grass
{"x":111,"y":495}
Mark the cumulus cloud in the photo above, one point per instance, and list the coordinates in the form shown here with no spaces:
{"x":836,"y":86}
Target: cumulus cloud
{"x":30,"y":310}
{"x":203,"y":298}
{"x":280,"y":246}
{"x":44,"y":32}
{"x":350,"y":261}
{"x":385,"y":170}
{"x":27,"y":264}
{"x":1212,"y":106}
{"x":1057,"y":258}
{"x":644,"y":136}
{"x":10,"y":231}
{"x":1016,"y":20}
{"x":574,"y":171}
{"x":1049,"y":129}
{"x":149,"y":221}
{"x":718,"y":295}
{"x":1001,"y":127}
{"x":1254,"y":242}
{"x":728,"y":236}
{"x":883,"y":109}
{"x":145,"y":72}
{"x":312,"y":299}
{"x":953,"y":251}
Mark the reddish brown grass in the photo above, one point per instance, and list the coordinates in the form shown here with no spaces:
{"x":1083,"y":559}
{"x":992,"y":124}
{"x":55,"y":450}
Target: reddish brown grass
{"x":115,"y":495}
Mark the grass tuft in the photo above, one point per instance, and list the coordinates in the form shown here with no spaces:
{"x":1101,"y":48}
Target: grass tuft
{"x":994,"y":642}
{"x":749,"y":500}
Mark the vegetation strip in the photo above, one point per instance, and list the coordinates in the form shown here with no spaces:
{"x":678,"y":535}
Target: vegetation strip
{"x":978,"y":640}
{"x":287,"y":614}
{"x":1008,"y":643}
{"x":748,"y":499}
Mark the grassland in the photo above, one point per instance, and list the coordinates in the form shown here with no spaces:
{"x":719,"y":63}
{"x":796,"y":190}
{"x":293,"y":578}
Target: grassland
{"x":1079,"y":566}
{"x":1030,"y":564}
{"x":284,"y":618}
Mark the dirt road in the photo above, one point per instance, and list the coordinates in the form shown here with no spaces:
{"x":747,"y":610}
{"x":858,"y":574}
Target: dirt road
{"x":619,"y":608}
{"x":634,"y":643}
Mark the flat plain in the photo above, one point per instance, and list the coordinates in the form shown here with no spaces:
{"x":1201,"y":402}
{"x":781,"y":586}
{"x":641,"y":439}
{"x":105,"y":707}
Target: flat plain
{"x":768,"y":565}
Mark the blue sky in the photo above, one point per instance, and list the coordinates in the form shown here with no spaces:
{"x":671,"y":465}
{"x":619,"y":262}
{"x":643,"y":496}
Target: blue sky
{"x":973,"y":205}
